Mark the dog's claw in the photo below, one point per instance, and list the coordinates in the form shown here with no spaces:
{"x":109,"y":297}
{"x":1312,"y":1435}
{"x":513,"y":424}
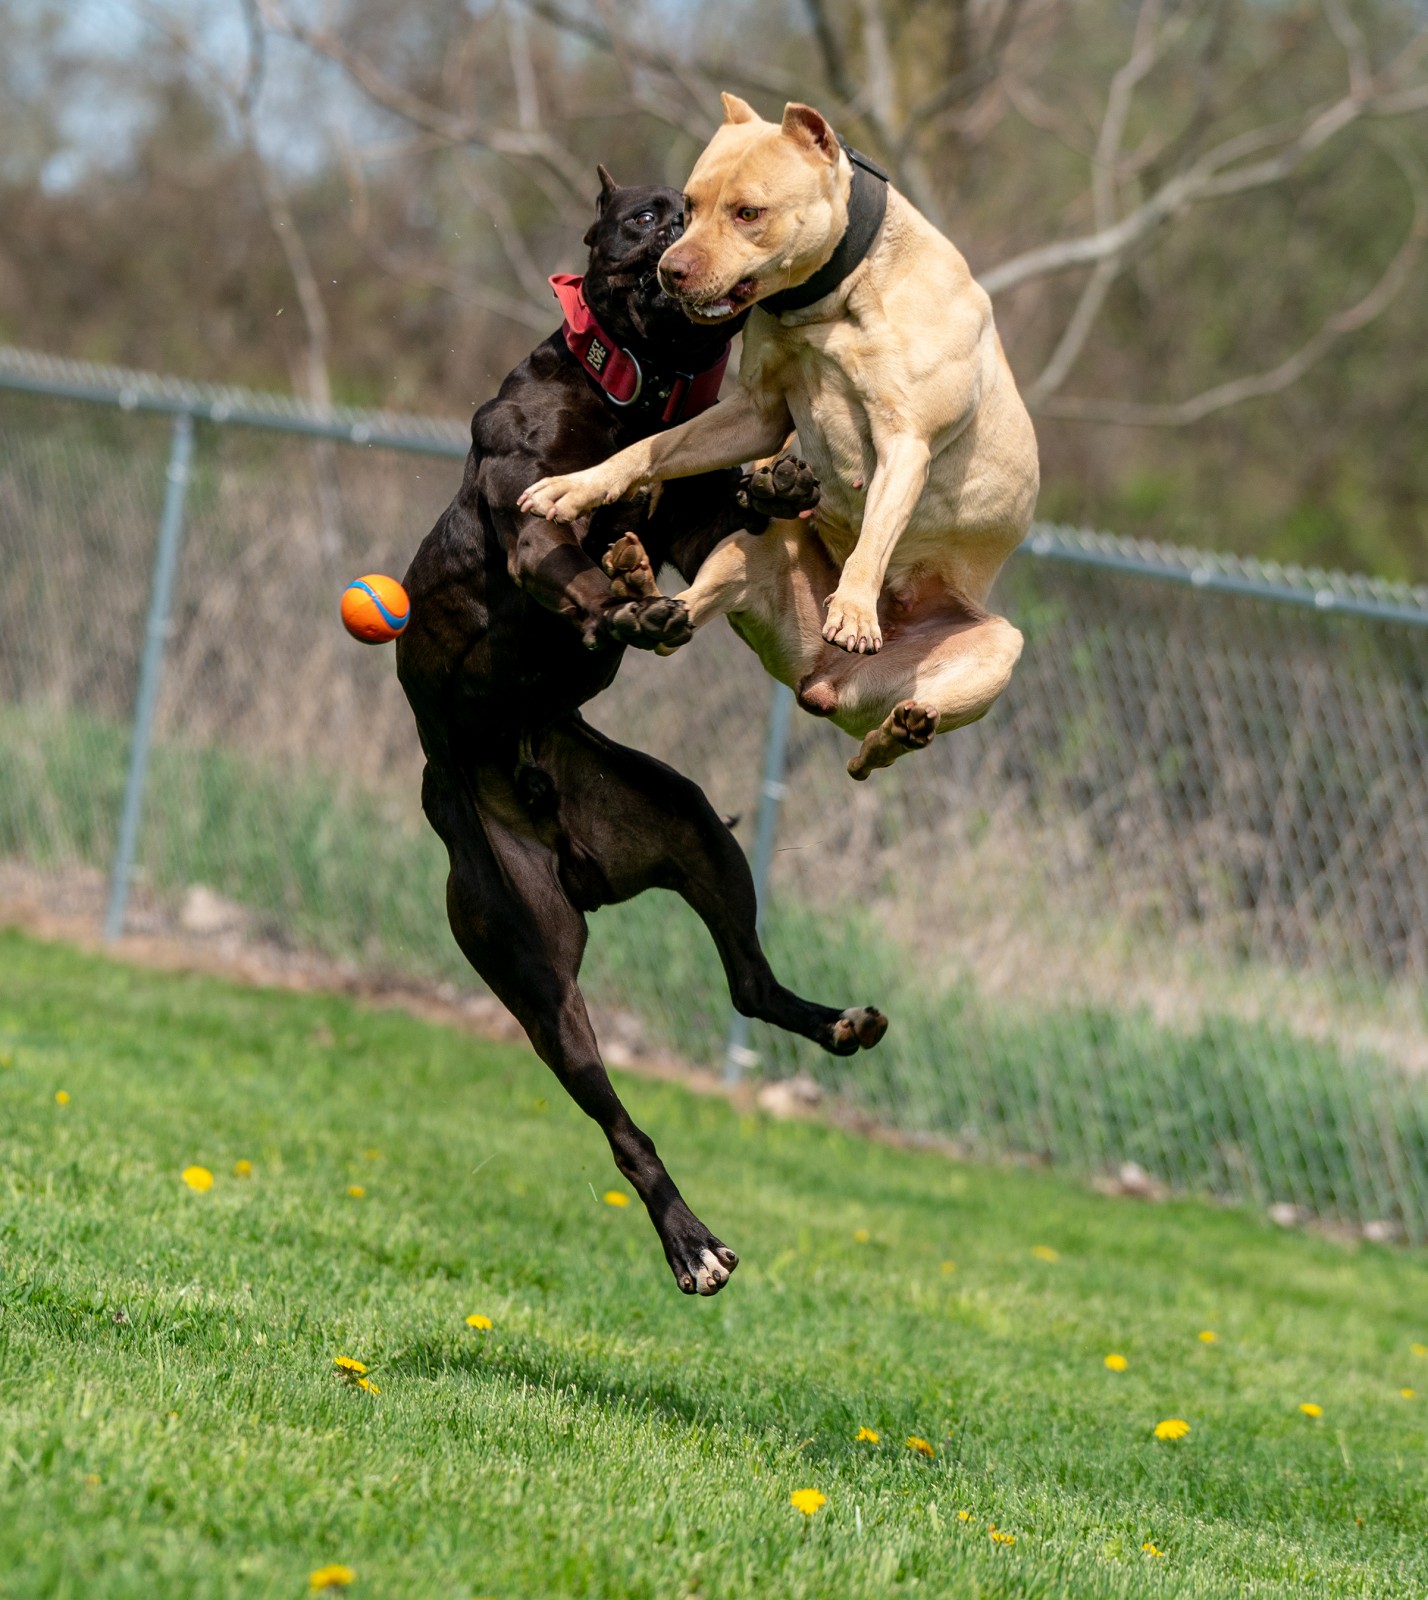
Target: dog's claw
{"x":852,"y":626}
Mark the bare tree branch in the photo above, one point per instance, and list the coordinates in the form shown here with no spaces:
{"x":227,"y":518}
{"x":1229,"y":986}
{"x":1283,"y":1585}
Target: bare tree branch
{"x":1347,"y":32}
{"x":710,"y":76}
{"x":1212,"y":176}
{"x":534,"y":148}
{"x":973,"y":79}
{"x":1257,"y":385}
{"x":835,"y":65}
{"x":881,"y":82}
{"x":1145,"y":52}
{"x":523,"y":75}
{"x":1076,"y":332}
{"x":508,"y":235}
{"x":1147,"y":48}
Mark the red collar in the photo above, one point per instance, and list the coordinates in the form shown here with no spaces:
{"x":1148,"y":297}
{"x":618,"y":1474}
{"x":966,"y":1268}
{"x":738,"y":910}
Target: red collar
{"x":672,"y":396}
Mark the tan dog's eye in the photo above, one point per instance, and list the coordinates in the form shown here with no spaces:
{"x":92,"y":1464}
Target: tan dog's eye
{"x":749,"y":213}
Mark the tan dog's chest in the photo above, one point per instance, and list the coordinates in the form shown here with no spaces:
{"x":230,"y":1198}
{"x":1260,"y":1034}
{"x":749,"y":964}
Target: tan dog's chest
{"x":974,"y":508}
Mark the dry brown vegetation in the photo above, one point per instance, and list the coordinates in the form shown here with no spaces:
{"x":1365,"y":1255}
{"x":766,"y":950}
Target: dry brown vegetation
{"x":1201,"y":220}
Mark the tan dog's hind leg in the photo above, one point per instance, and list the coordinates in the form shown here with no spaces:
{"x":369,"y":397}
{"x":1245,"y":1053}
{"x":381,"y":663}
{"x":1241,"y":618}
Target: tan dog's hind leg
{"x":947,"y":685}
{"x":773,"y":581}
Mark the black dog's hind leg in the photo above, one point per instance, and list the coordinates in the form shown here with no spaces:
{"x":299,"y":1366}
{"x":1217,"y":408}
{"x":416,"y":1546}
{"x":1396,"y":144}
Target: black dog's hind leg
{"x":646,"y":826}
{"x":516,"y":926}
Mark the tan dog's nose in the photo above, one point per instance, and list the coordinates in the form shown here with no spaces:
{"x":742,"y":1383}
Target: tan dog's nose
{"x":674,"y":272}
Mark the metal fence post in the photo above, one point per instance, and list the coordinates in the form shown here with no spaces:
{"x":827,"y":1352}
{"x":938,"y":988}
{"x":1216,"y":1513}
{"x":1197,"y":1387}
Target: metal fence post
{"x":150,"y":669}
{"x":738,"y":1057}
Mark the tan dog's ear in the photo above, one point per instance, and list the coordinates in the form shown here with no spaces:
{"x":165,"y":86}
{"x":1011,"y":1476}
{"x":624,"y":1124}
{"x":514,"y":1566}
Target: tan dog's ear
{"x":805,"y":125}
{"x":737,"y":110}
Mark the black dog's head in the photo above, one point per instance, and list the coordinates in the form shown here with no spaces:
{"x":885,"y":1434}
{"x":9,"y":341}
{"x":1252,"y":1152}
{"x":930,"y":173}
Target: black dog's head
{"x":632,"y":229}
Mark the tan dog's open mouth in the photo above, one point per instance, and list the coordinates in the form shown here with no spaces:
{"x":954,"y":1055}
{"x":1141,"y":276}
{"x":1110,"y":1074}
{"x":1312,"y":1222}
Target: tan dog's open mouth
{"x":727,"y":305}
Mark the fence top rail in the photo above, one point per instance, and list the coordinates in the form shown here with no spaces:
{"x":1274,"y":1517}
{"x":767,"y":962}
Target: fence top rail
{"x":1350,"y":593}
{"x":33,"y":372}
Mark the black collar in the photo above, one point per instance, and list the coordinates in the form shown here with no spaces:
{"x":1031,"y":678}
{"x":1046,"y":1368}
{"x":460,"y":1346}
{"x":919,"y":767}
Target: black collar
{"x":867,"y":204}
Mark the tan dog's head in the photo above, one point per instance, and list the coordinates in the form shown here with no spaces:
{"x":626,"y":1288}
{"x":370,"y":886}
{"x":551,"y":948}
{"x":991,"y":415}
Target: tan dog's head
{"x":764,"y":208}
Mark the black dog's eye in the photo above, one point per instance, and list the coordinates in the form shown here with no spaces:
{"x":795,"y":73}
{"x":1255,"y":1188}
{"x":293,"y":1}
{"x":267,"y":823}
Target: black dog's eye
{"x":645,"y":219}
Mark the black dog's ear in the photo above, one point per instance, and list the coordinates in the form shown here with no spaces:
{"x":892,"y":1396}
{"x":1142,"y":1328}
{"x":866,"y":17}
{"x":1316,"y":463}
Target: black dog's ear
{"x":608,"y":186}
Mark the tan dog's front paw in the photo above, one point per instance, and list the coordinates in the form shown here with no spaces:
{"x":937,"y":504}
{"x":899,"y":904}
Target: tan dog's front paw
{"x":563,"y":499}
{"x":853,"y":625}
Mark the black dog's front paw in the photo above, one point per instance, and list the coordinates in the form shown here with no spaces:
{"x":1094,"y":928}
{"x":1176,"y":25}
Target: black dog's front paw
{"x":783,"y":488}
{"x":658,"y":624}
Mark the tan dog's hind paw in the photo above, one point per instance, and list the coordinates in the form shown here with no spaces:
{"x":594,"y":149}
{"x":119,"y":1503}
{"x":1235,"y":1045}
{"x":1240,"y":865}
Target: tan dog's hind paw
{"x":853,"y":626}
{"x":909,"y":726}
{"x":628,"y":568}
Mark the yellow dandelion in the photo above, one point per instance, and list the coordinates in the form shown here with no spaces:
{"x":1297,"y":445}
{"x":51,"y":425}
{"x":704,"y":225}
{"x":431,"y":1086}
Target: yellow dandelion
{"x":1172,"y":1428}
{"x":476,"y":1320}
{"x":1115,"y":1363}
{"x":61,"y":1097}
{"x":868,"y":1434}
{"x":242,"y":1169}
{"x":920,"y":1445}
{"x":964,"y":1516}
{"x":1044,"y":1252}
{"x":333,"y":1577}
{"x":1419,"y":1349}
{"x":368,"y":1385}
{"x":949,"y":1266}
{"x":861,"y":1236}
{"x":348,"y":1365}
{"x":1409,"y":1394}
{"x":1310,"y":1409}
{"x":356,"y":1191}
{"x":998,"y":1537}
{"x":1208,"y":1336}
{"x":372,"y":1155}
{"x":199,"y":1179}
{"x":807,"y":1500}
{"x":613,"y":1197}
{"x":1150,"y":1548}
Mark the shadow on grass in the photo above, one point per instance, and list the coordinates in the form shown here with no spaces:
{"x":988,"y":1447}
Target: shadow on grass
{"x":543,"y":1367}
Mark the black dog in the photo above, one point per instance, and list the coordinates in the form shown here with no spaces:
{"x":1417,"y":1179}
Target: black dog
{"x":515,"y":624}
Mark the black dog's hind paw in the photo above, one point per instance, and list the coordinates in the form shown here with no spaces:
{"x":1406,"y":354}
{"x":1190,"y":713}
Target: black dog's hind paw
{"x":658,"y":624}
{"x":701,"y":1264}
{"x":628,"y":568}
{"x":783,"y":488}
{"x":859,"y":1028}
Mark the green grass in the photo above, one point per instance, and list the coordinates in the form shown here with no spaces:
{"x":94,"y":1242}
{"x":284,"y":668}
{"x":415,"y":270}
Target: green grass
{"x":171,"y":1423}
{"x":1230,"y":1107}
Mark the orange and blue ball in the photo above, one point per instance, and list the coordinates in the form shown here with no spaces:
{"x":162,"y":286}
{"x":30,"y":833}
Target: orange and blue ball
{"x":375,"y":608}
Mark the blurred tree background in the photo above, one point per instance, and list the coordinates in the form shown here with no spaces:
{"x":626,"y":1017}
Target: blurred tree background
{"x":1201,"y":222}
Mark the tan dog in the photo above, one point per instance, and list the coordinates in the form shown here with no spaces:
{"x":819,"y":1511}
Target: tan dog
{"x":905,"y":407}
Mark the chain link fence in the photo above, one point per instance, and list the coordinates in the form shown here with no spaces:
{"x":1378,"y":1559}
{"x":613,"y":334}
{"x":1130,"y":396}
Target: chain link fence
{"x":1159,"y":919}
